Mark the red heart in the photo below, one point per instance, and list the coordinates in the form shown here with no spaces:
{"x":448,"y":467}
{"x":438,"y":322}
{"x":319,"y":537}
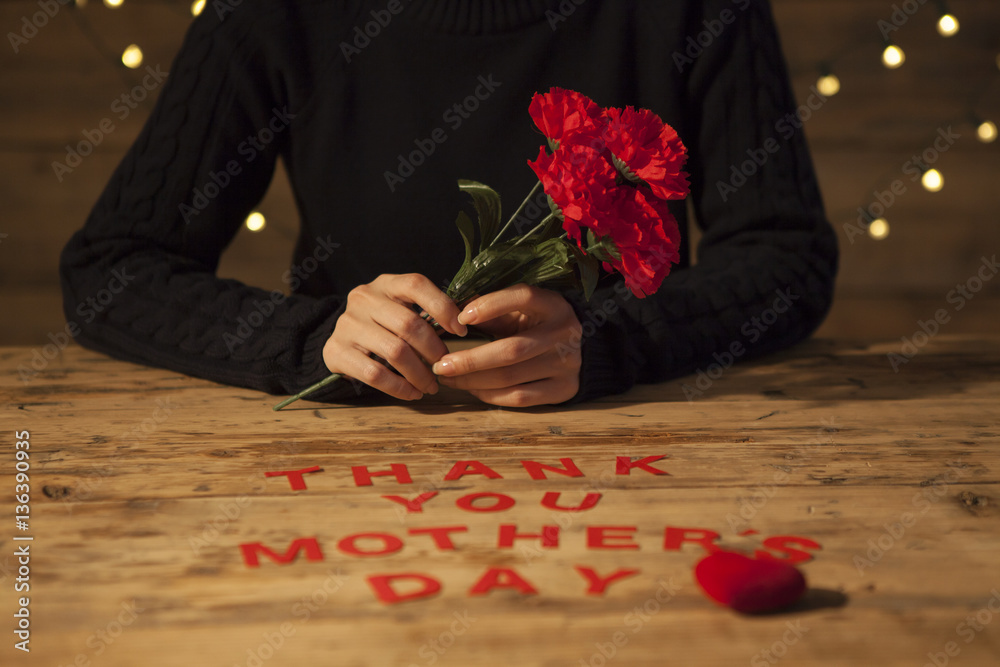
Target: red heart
{"x":749,"y":585}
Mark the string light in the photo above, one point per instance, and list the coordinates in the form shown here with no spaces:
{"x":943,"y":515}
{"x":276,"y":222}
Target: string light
{"x":893,"y":56}
{"x":113,"y":3}
{"x":987,"y":132}
{"x":932,"y":180}
{"x":947,"y":25}
{"x":132,"y":56}
{"x":828,"y":84}
{"x":878,"y":229}
{"x":256,"y":221}
{"x":197,"y":6}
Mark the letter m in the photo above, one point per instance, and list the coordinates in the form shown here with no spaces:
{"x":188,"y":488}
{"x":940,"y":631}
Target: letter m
{"x":253,"y":551}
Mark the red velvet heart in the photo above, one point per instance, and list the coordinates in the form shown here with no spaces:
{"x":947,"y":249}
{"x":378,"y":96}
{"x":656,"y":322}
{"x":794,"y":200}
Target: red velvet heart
{"x":749,"y":585}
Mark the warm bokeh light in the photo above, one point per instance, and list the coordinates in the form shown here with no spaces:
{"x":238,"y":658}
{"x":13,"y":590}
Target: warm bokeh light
{"x":893,"y":56}
{"x":256,"y":221}
{"x":947,"y":25}
{"x":113,"y":3}
{"x":828,"y":85}
{"x":878,"y":229}
{"x":80,"y":3}
{"x":987,"y":132}
{"x":932,"y":180}
{"x":132,"y":56}
{"x":197,"y":6}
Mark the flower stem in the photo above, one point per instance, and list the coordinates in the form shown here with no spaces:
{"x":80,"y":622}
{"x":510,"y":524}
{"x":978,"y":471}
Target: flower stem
{"x":540,"y":225}
{"x":308,"y":390}
{"x":519,"y":210}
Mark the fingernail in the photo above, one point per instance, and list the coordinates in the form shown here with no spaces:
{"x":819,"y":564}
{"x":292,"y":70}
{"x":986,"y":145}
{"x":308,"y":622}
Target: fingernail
{"x":442,"y":367}
{"x":467,"y":316}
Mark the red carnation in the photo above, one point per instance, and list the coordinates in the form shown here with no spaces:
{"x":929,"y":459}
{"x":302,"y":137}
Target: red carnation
{"x":583,"y":187}
{"x":576,"y":178}
{"x":566,"y":114}
{"x":646,"y":235}
{"x":646,"y":149}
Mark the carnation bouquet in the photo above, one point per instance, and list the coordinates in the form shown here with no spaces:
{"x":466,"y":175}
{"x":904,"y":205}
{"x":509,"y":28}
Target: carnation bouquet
{"x":607,"y":175}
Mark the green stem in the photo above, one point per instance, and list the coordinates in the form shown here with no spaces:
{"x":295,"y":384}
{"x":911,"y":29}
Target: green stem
{"x":540,"y":225}
{"x":518,"y":211}
{"x":308,"y":390}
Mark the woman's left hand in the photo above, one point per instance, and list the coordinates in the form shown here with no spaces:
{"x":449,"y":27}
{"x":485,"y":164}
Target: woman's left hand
{"x":535,"y":359}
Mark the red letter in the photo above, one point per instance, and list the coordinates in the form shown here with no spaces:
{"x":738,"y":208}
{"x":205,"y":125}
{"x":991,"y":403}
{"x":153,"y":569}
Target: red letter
{"x":461,"y":468}
{"x":673,"y":538}
{"x":537,"y":470}
{"x":503,"y":502}
{"x":416,"y":505}
{"x":551,"y":499}
{"x":780,"y":543}
{"x":364,"y":478}
{"x":440,"y":535}
{"x":390,"y":544}
{"x":294,"y":477}
{"x":252,"y":551}
{"x":596,"y":538}
{"x":596,"y":583}
{"x":492,"y":579}
{"x":625,"y":464}
{"x":382,"y":585}
{"x":508,"y":533}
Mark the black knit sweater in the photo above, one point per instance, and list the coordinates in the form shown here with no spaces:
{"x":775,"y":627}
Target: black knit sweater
{"x":376,"y":108}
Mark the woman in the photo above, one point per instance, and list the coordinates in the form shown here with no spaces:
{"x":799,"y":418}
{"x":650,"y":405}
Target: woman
{"x":376,"y":108}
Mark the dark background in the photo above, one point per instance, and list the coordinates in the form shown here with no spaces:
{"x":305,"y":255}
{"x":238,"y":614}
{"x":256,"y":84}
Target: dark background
{"x":66,"y":79}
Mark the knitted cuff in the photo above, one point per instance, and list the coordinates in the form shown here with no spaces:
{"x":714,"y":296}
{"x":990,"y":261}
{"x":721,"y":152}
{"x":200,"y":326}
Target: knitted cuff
{"x":603,"y":369}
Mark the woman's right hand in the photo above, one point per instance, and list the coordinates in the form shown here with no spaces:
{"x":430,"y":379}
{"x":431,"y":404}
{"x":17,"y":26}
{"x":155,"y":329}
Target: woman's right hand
{"x":380,"y":320}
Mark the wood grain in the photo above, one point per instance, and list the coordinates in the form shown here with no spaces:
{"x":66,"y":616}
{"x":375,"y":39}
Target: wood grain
{"x":145,"y":483}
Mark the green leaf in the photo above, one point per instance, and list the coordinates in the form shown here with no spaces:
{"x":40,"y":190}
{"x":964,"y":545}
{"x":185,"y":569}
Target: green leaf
{"x":558,"y":252}
{"x":487,"y":203}
{"x":555,"y":261}
{"x":468,"y":232}
{"x":466,"y":229}
{"x":496,"y":267}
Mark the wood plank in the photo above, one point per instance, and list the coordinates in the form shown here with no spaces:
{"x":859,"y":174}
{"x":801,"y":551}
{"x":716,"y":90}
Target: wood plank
{"x":145,"y":483}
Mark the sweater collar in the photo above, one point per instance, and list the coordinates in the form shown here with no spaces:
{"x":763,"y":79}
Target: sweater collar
{"x":479,"y":17}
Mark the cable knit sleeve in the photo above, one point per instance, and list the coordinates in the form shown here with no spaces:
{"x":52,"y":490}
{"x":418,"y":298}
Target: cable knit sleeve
{"x":139,"y":278}
{"x":767,"y":258}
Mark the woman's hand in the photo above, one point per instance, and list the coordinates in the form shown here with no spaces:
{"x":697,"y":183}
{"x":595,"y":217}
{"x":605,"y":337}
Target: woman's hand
{"x":379,"y":319}
{"x":532,"y":362}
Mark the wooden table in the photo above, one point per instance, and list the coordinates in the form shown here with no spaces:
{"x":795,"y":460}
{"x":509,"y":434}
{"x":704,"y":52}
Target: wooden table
{"x":168,"y":530}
